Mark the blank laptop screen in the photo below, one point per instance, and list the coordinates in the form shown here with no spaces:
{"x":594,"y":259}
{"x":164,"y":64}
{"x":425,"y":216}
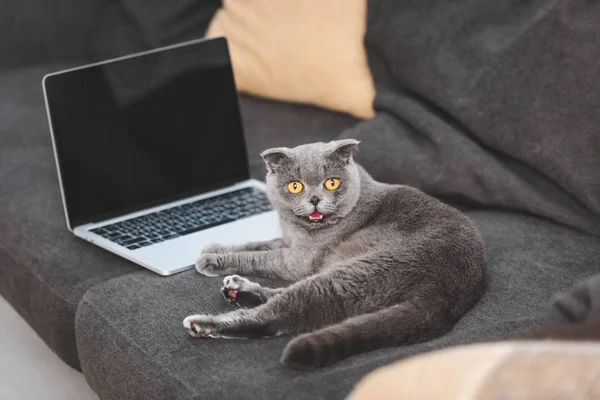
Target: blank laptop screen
{"x":145,"y":130}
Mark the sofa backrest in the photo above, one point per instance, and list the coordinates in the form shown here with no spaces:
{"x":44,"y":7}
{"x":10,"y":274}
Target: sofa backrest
{"x":129,"y":26}
{"x":496,"y":91}
{"x":42,"y":31}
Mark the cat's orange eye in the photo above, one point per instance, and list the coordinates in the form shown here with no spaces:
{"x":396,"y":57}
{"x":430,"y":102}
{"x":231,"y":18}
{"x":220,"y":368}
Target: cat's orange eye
{"x":332,"y":183}
{"x":295,"y":187}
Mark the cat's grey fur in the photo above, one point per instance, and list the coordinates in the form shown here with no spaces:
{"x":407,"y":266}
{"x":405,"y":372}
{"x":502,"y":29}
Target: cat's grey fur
{"x":388,"y":265}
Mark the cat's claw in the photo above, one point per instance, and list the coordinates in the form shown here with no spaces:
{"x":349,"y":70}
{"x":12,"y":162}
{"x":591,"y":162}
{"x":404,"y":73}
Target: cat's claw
{"x":194,"y":325}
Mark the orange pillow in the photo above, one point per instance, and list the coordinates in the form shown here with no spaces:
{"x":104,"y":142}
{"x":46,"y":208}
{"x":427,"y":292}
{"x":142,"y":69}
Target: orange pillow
{"x":304,"y":51}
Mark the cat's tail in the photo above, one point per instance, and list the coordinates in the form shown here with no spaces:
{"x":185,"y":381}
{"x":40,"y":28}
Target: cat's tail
{"x":393,"y":326}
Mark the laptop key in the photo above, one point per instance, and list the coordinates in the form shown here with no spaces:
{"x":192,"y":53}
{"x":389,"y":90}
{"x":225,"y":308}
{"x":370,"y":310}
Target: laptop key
{"x":131,"y":241}
{"x":121,"y":238}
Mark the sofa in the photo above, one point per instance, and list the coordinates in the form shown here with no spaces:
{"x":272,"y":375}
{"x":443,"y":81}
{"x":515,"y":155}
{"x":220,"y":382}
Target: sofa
{"x":489,"y":105}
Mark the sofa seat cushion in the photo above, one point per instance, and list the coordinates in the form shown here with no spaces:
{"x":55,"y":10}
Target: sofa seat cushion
{"x":44,"y":269}
{"x":132,"y":325}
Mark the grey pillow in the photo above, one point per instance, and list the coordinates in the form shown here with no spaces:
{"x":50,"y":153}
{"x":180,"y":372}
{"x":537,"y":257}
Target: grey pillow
{"x":493,"y":101}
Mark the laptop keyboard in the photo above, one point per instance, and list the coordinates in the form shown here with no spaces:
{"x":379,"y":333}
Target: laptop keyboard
{"x":188,"y":218}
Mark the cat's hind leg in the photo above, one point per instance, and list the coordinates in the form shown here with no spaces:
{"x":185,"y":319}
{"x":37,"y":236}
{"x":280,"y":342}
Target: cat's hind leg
{"x":245,"y":293}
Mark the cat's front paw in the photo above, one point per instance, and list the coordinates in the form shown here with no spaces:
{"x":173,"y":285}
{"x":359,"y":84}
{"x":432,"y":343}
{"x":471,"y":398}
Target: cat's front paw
{"x":241,"y":291}
{"x":215,"y":248}
{"x":200,"y":326}
{"x":210,"y":265}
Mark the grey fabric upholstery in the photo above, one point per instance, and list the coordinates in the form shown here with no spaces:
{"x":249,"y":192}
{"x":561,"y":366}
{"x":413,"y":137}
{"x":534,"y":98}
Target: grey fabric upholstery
{"x":40,"y":31}
{"x":496,"y":100}
{"x":578,"y":305}
{"x":132,"y":326}
{"x":128,"y":26}
{"x":44,"y":269}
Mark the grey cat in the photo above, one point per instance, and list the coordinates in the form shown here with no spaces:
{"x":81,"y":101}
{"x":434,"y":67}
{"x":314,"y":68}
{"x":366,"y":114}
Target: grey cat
{"x":374,"y":265}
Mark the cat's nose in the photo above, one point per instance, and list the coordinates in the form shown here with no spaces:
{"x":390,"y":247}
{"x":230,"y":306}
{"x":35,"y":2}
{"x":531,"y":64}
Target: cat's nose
{"x":315,"y":200}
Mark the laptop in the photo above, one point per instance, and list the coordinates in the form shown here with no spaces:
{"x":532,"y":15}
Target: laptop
{"x":151,"y":156}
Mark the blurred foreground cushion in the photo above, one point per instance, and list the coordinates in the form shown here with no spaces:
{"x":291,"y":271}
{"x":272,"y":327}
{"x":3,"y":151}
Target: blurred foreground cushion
{"x":508,"y":370}
{"x":308,"y":51}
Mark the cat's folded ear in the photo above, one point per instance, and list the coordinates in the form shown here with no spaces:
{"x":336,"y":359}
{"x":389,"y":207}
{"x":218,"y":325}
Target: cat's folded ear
{"x":275,"y":157}
{"x":343,"y":149}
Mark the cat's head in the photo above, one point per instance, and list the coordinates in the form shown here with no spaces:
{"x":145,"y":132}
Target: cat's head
{"x":314,"y":184}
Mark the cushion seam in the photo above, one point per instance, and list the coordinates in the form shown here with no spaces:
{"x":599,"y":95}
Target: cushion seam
{"x":70,"y":303}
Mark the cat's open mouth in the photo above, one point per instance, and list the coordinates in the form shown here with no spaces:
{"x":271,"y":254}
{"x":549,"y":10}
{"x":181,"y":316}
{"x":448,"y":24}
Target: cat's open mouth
{"x":315,"y":217}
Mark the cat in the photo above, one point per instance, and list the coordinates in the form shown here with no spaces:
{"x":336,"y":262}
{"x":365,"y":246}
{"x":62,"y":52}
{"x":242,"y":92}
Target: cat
{"x":374,"y":265}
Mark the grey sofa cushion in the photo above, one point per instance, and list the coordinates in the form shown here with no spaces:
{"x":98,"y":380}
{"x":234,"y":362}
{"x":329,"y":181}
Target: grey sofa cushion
{"x":132,"y":326}
{"x":412,"y":143}
{"x":44,"y":269}
{"x":498,"y":101}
